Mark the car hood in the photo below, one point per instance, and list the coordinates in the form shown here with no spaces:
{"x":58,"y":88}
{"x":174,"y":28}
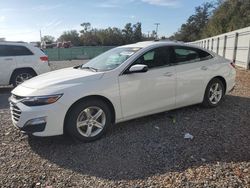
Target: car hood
{"x":61,"y":77}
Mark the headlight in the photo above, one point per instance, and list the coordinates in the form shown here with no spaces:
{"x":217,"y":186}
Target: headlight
{"x":40,"y":100}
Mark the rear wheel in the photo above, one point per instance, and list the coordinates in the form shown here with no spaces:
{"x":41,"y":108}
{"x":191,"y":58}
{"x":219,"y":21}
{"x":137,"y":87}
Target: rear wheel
{"x":20,"y":76}
{"x":88,"y":120}
{"x":214,"y":93}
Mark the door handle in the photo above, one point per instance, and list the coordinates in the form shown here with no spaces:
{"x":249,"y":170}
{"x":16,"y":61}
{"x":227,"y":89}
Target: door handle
{"x":168,"y":74}
{"x":8,"y":59}
{"x":204,"y":68}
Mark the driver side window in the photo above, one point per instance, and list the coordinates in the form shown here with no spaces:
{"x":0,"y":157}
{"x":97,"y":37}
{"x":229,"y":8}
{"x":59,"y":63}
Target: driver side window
{"x":155,"y":58}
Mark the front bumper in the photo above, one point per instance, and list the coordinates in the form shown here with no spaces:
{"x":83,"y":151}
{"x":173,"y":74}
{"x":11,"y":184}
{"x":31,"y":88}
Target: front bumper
{"x":26,"y":118}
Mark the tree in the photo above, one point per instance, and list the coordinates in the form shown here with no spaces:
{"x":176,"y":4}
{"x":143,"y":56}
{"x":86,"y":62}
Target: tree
{"x":137,"y":33}
{"x":48,"y":39}
{"x":128,"y":33}
{"x":86,"y":26}
{"x":228,"y":16}
{"x":72,"y":36}
{"x":193,"y":28}
{"x":110,"y":36}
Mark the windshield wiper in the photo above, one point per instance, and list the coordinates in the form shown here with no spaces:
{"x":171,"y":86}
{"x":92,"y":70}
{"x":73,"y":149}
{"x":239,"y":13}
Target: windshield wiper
{"x":90,"y":68}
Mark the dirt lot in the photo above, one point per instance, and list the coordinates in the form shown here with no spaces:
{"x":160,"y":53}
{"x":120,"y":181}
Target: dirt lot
{"x":146,"y":152}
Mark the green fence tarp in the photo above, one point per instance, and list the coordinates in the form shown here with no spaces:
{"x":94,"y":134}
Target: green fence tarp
{"x":82,"y":52}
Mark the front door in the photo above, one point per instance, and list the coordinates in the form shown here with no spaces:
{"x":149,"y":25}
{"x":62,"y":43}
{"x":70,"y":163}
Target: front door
{"x":152,"y":91}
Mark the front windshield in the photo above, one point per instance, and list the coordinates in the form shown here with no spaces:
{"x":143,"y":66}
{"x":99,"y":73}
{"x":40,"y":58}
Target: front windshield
{"x":110,"y":59}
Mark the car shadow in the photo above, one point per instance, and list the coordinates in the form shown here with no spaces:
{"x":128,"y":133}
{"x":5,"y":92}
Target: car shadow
{"x":4,"y":95}
{"x":155,"y":144}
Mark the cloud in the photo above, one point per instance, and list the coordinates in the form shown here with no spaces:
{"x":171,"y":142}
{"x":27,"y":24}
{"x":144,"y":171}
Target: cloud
{"x":7,"y":9}
{"x":109,"y":4}
{"x":169,"y":3}
{"x":53,"y":23}
{"x":2,"y":18}
{"x":46,"y":7}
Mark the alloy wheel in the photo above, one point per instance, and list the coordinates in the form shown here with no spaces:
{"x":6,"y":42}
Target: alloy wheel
{"x":215,"y":93}
{"x":22,"y":77}
{"x":91,"y":121}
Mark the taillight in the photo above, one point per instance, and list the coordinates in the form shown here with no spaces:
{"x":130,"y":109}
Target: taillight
{"x":44,"y":58}
{"x":232,"y":64}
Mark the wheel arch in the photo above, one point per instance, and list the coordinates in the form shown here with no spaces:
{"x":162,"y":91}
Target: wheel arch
{"x":91,"y":97}
{"x":21,"y":69}
{"x":223,"y":80}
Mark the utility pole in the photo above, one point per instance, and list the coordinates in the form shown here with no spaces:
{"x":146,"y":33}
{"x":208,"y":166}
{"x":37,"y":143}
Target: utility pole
{"x":40,"y":36}
{"x":156,"y":30}
{"x":148,"y":33}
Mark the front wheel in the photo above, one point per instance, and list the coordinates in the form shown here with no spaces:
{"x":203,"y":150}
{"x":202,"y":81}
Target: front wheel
{"x":88,"y":120}
{"x":214,"y":93}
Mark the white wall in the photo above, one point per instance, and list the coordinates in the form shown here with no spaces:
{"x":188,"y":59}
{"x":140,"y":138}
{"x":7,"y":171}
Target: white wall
{"x":233,"y":45}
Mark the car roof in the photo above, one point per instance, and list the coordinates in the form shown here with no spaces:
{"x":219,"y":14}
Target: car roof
{"x":13,"y":43}
{"x":159,"y":43}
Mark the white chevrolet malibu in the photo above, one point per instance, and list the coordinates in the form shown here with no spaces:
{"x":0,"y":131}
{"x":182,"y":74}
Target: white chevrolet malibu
{"x":123,"y":83}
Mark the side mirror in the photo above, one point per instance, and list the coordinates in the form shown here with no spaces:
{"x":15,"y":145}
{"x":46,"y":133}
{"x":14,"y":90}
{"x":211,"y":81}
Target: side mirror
{"x":138,"y":68}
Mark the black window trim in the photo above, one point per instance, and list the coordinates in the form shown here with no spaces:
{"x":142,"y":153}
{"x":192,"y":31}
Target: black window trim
{"x":123,"y":72}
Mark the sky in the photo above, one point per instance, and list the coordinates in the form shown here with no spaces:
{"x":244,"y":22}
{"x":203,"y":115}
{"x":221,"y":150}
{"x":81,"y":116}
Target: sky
{"x":22,"y":20}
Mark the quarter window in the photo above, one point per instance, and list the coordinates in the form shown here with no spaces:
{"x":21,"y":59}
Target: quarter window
{"x":190,"y":55}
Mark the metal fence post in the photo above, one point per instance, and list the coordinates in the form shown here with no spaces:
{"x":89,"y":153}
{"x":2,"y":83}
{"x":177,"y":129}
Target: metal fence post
{"x":248,"y":57}
{"x":218,"y":45}
{"x":58,"y":53}
{"x":235,"y":46}
{"x":212,"y":44}
{"x":225,"y":46}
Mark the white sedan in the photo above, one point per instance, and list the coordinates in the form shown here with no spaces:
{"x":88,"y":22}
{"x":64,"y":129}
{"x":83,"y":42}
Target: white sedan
{"x":124,"y":83}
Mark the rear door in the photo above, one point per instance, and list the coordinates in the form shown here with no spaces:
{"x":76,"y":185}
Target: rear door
{"x":24,"y":56}
{"x":7,"y":64}
{"x":193,"y":73}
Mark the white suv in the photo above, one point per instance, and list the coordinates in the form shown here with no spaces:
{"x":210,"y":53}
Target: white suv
{"x":20,"y":61}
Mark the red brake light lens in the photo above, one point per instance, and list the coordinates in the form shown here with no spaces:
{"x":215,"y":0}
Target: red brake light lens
{"x":44,"y":58}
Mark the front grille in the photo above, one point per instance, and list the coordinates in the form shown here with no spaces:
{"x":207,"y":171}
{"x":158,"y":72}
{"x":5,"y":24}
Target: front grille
{"x":15,"y":112}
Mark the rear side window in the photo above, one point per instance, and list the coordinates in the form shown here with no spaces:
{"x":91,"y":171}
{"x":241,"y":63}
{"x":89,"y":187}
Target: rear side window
{"x":189,"y":55}
{"x":14,"y":50}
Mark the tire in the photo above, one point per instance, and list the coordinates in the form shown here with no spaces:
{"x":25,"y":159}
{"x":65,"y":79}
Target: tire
{"x":212,"y":98}
{"x":20,"y":76}
{"x":78,"y":120}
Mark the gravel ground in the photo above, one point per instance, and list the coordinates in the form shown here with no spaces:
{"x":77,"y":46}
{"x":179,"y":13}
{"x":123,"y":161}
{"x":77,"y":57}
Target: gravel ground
{"x":146,"y":152}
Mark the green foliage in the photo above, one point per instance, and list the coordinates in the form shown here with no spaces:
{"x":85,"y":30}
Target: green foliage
{"x":212,"y":19}
{"x":110,"y":36}
{"x":48,"y":39}
{"x":192,"y":29}
{"x":104,"y":37}
{"x":228,"y":16}
{"x":72,"y":36}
